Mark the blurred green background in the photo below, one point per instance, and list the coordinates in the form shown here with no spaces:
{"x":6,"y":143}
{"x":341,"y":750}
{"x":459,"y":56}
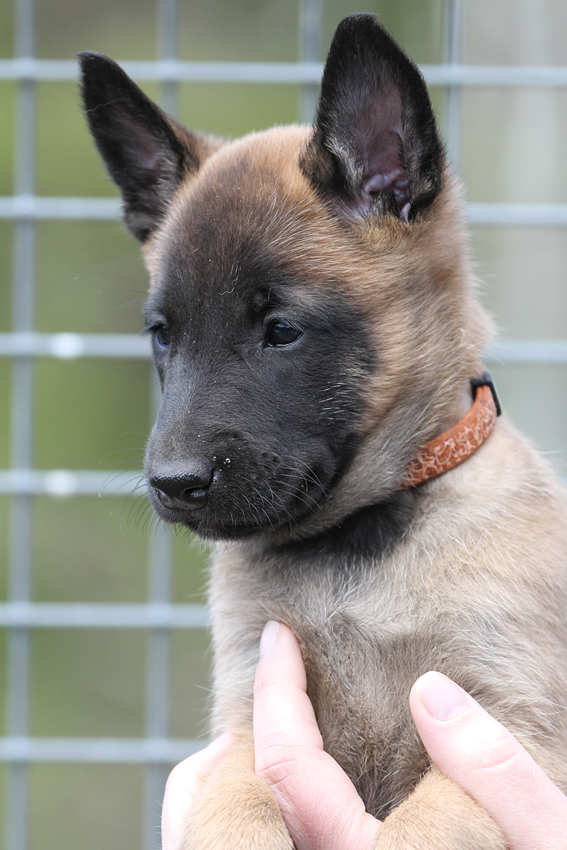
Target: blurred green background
{"x":95,"y":414}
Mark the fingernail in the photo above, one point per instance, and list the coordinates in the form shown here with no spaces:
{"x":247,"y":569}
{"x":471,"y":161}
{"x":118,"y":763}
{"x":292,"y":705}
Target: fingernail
{"x":269,"y":638}
{"x":442,"y":698}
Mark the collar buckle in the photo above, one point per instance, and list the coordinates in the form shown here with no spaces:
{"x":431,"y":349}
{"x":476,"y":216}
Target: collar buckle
{"x":485,"y":380}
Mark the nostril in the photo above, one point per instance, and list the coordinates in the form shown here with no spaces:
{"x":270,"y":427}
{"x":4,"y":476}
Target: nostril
{"x":187,"y":488}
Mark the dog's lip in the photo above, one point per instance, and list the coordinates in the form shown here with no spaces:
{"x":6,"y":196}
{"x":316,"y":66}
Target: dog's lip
{"x":200,"y":521}
{"x":206,"y":516}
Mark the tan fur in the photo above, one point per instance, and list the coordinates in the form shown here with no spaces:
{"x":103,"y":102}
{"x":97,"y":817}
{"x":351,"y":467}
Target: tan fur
{"x":466,"y":574}
{"x":476,"y":589}
{"x":466,"y":566}
{"x":237,"y":808}
{"x":443,"y":813}
{"x":399,"y":275}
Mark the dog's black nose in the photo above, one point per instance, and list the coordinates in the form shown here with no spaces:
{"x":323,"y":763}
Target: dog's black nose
{"x":187,"y":488}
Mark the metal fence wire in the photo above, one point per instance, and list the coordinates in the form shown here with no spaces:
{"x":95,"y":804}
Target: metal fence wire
{"x":158,"y":616}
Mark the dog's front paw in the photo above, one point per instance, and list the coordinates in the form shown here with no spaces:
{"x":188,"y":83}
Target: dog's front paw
{"x":224,"y":824}
{"x":438,"y":815}
{"x":236,"y":810}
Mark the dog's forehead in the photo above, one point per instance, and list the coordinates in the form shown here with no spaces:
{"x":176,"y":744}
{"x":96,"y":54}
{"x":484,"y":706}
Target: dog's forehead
{"x":250,"y":221}
{"x":249,"y":218}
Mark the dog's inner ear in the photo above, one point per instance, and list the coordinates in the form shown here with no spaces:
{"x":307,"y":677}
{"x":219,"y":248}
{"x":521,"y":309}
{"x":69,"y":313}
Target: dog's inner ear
{"x":378,"y":147}
{"x":374,"y":147}
{"x":146,"y":153}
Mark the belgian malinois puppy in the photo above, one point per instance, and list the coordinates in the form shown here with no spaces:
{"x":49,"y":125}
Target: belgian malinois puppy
{"x":316,"y":331}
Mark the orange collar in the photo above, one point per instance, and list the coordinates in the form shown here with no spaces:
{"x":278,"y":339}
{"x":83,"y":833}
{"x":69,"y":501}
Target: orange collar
{"x":459,"y":442}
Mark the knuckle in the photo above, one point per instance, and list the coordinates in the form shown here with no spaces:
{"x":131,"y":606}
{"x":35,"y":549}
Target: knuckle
{"x":263,"y":679}
{"x":504,"y":759}
{"x":277,"y":764}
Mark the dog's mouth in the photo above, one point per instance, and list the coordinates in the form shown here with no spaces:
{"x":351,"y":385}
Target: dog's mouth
{"x":223,"y":502}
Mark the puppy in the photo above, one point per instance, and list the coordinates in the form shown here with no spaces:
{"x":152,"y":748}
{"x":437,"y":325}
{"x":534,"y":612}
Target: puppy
{"x":315,"y":329}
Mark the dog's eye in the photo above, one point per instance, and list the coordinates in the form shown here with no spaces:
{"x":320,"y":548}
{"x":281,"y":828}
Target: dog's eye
{"x":162,"y":336}
{"x":280,"y":333}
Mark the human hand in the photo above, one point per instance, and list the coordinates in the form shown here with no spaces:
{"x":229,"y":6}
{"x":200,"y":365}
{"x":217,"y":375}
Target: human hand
{"x":320,"y":805}
{"x":184,"y":784}
{"x":485,"y":760}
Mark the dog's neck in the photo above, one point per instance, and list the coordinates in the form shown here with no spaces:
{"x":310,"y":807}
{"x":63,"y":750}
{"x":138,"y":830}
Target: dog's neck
{"x":356,"y":492}
{"x":457,"y":444}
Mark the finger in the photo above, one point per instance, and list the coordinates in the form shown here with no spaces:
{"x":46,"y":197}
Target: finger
{"x":183,"y":787}
{"x":481,"y":756}
{"x":320,"y":805}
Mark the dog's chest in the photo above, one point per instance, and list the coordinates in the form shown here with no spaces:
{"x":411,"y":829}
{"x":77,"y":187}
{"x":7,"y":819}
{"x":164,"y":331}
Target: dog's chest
{"x":359,"y":677}
{"x":363,"y":648}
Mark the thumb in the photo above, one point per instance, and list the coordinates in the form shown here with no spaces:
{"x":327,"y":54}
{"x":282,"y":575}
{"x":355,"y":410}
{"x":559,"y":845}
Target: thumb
{"x":319,"y":804}
{"x":483,"y":758}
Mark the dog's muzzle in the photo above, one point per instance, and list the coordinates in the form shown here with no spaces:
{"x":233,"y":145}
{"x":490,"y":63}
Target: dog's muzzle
{"x":187,"y":490}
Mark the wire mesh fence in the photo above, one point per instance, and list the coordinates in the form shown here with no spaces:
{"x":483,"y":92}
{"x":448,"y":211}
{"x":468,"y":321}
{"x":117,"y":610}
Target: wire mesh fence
{"x":24,"y":345}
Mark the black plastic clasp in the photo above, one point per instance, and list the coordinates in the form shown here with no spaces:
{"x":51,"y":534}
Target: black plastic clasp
{"x":485,"y":380}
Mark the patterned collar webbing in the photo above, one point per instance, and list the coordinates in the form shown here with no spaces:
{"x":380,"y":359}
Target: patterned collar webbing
{"x":457,"y":444}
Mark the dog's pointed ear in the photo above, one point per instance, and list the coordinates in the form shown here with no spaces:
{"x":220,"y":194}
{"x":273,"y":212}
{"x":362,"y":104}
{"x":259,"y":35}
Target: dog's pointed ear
{"x":146,"y":153}
{"x":375,"y":147}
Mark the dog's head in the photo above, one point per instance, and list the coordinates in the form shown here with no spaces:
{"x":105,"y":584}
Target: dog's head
{"x":310,"y":305}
